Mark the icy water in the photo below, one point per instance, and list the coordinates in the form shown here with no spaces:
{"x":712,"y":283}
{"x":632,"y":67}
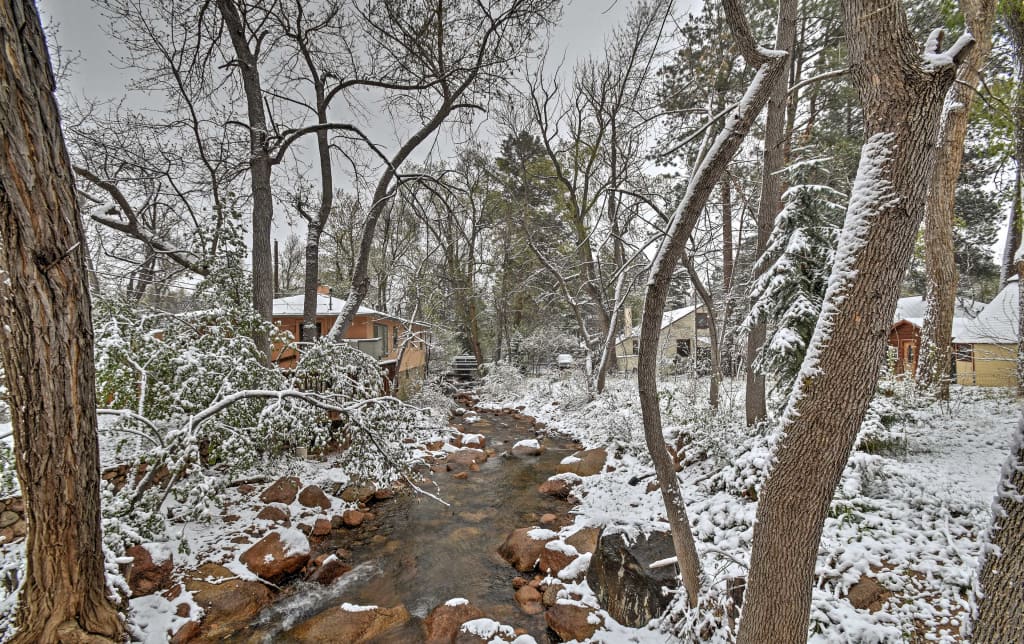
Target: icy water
{"x":420,"y":553}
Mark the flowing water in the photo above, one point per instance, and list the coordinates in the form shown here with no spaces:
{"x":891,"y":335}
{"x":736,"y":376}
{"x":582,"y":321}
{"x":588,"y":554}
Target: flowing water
{"x":420,"y":553}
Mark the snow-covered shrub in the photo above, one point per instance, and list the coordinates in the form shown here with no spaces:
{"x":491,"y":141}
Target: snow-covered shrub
{"x":195,"y":406}
{"x":544,"y":343}
{"x":502,"y":377}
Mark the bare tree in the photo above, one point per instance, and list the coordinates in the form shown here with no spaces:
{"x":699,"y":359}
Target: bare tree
{"x":902,"y":93}
{"x":940,"y":263}
{"x":46,"y":333}
{"x":770,"y":67}
{"x":1012,"y":14}
{"x":459,"y":55}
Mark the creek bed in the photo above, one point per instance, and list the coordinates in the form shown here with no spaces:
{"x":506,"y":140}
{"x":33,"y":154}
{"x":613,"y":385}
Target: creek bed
{"x":420,"y":553}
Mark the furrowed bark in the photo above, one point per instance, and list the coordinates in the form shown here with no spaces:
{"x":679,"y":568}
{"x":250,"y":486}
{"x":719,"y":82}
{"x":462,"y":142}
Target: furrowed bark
{"x":1001,"y":604}
{"x":940,"y":263}
{"x":46,"y":340}
{"x":902,"y":98}
{"x":771,"y":67}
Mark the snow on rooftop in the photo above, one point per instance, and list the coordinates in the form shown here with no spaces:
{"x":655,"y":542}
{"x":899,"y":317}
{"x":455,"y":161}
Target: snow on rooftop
{"x":911,"y":308}
{"x":673,"y":316}
{"x":325,"y":305}
{"x":998,"y":323}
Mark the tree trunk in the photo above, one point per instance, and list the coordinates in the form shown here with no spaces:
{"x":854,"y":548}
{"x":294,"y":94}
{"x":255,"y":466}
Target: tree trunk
{"x":775,"y":146}
{"x":902,"y":101}
{"x":259,"y":170}
{"x":940,"y":263}
{"x":771,"y":66}
{"x":1001,"y":604}
{"x":1013,"y":18}
{"x":47,"y":345}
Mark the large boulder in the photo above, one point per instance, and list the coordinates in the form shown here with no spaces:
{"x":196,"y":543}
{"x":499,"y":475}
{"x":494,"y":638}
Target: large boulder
{"x":621,"y":577}
{"x":484,"y":631}
{"x":329,"y":569}
{"x":522,"y":548}
{"x":312,"y":496}
{"x":442,"y":624}
{"x":584,"y":540}
{"x":358,"y":493}
{"x":572,"y":622}
{"x":349,"y":623}
{"x":281,"y":553}
{"x":584,"y":463}
{"x":560,"y":485}
{"x":228,"y":603}
{"x":465,"y":457}
{"x":150,"y":569}
{"x":555,"y":556}
{"x":529,"y":599}
{"x":283,"y":490}
{"x":527,"y":447}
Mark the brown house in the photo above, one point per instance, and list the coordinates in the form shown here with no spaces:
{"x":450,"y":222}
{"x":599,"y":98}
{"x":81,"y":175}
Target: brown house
{"x":905,"y":333}
{"x":373,"y":332}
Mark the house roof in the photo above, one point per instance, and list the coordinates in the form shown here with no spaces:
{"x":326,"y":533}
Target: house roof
{"x":959,"y":323}
{"x":671,"y":317}
{"x":325,"y":306}
{"x":998,"y":323}
{"x":911,"y":308}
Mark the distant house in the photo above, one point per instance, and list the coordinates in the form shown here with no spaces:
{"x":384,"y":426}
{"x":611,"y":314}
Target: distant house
{"x":378,"y":334}
{"x":905,"y":334}
{"x":684,"y":336}
{"x":986,"y":348}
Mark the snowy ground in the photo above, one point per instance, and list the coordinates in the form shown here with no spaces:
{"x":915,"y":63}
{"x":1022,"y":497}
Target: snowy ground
{"x":909,"y":517}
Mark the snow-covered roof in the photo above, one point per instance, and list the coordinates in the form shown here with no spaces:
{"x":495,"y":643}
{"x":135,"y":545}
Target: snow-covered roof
{"x":325,"y":305}
{"x":911,"y":308}
{"x":671,"y":317}
{"x":959,"y":323}
{"x":998,"y":323}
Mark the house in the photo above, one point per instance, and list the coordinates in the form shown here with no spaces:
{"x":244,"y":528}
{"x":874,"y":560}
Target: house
{"x":986,"y":348}
{"x":905,"y":334}
{"x":684,"y":336}
{"x":378,"y":334}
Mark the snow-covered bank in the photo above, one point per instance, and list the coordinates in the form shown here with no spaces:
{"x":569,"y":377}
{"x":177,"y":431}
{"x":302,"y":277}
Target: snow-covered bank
{"x":902,"y":539}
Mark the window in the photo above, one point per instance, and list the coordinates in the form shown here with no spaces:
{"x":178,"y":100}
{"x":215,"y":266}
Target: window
{"x":683,"y":348}
{"x":963,"y":352}
{"x":910,"y":353}
{"x":380,"y":332}
{"x":702,"y":321}
{"x":394,"y":337}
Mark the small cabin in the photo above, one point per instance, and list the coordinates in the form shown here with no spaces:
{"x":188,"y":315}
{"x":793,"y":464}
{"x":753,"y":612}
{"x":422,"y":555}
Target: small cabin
{"x":684,"y":337}
{"x":905,"y":333}
{"x":986,"y":348}
{"x":378,"y":334}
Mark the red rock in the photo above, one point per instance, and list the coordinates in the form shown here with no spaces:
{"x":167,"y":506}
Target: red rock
{"x":321,"y":527}
{"x":277,"y":513}
{"x":188,"y":632}
{"x":529,"y":599}
{"x":442,"y":624}
{"x":182,"y":610}
{"x":146,"y":576}
{"x":352,"y":627}
{"x":313,"y":497}
{"x":570,"y":622}
{"x":246,"y":488}
{"x":556,"y":556}
{"x":279,"y":554}
{"x":383,"y":494}
{"x":461,"y":475}
{"x":586,"y":463}
{"x":329,"y":569}
{"x":867,"y":594}
{"x":521,"y":550}
{"x":518,"y":583}
{"x":353,"y":518}
{"x":584,"y":540}
{"x":548,"y":518}
{"x":559,"y":486}
{"x":358,"y":492}
{"x":228,"y":603}
{"x":283,"y":490}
